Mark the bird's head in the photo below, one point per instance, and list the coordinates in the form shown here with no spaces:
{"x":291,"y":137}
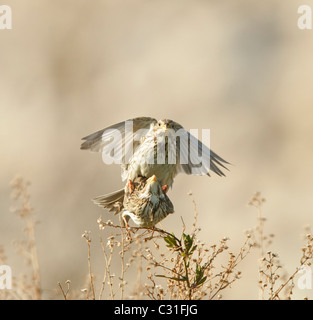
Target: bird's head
{"x":165,"y":124}
{"x":153,"y":184}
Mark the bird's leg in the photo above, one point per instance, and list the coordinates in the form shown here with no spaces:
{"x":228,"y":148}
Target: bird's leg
{"x":151,"y":229}
{"x":165,"y":188}
{"x":127,"y":229}
{"x":130,"y":185}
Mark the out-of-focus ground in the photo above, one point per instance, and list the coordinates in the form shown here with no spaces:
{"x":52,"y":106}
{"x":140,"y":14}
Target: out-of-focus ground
{"x":240,"y":68}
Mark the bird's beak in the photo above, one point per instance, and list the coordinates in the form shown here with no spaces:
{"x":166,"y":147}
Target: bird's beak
{"x":153,"y":178}
{"x":164,"y":126}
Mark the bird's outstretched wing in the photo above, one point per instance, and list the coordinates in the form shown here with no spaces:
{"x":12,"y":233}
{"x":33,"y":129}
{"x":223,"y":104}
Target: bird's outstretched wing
{"x":131,"y":131}
{"x":198,"y":158}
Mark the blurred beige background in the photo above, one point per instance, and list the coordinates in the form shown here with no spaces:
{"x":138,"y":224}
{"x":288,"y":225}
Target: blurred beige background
{"x":240,"y":68}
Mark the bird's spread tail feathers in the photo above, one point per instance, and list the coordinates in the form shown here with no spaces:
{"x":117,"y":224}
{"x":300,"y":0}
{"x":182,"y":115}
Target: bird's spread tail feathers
{"x":112,"y":201}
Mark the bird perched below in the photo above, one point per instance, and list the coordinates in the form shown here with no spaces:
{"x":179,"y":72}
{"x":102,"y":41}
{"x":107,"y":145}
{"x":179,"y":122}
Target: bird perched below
{"x":146,"y":147}
{"x":145,"y":202}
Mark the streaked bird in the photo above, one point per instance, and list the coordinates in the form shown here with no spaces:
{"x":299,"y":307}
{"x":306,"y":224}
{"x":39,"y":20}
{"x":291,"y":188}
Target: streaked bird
{"x":145,"y":202}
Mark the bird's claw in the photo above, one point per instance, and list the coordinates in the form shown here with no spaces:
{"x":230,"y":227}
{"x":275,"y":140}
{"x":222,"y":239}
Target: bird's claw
{"x":130,"y":186}
{"x":165,"y":188}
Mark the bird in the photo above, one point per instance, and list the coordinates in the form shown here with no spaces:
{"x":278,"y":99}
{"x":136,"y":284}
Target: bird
{"x":145,"y":147}
{"x":145,"y":202}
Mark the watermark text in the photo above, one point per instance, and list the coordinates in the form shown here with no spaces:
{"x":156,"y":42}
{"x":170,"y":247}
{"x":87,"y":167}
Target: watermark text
{"x":5,"y":17}
{"x":5,"y":277}
{"x":305,"y":18}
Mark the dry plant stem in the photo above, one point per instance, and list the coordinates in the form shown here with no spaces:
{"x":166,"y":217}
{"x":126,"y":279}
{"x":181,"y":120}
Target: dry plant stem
{"x":261,"y":252}
{"x":260,"y":229}
{"x":88,"y":240}
{"x":139,"y":270}
{"x":224,"y":283}
{"x":269,"y":265}
{"x":134,"y":229}
{"x":34,"y":258}
{"x":277,"y":292}
{"x":307,"y":255}
{"x":122,"y":263}
{"x":187,"y":279}
{"x":62,"y":291}
{"x":107,"y":263}
{"x":257,"y":202}
{"x":195,"y":213}
{"x":26,"y":213}
{"x":187,"y":263}
{"x":107,"y":274}
{"x":272,"y":274}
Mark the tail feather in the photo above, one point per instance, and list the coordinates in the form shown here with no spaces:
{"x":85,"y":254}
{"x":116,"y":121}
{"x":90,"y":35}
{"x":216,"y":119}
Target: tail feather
{"x":112,"y":201}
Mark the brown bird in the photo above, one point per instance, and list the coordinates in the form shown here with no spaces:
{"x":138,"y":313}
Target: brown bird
{"x":145,"y":202}
{"x":146,"y":147}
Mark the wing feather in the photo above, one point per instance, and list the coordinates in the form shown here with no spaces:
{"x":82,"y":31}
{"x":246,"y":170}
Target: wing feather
{"x":100,"y":141}
{"x":201,"y":160}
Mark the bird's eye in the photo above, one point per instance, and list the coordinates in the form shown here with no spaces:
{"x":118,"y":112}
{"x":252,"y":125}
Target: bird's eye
{"x":159,"y":124}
